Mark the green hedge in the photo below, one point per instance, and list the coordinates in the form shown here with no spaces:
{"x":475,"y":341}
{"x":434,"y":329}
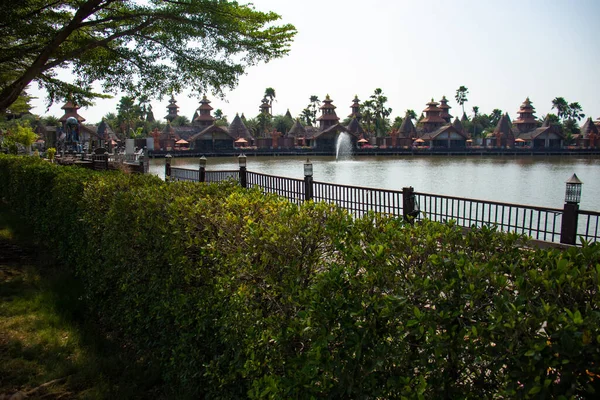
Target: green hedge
{"x":239,"y":295}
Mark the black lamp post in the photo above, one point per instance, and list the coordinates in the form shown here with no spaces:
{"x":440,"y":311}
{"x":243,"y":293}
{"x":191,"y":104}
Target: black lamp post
{"x":308,"y":180}
{"x":573,"y":191}
{"x":568,"y":231}
{"x":242,"y":163}
{"x":202,"y":170}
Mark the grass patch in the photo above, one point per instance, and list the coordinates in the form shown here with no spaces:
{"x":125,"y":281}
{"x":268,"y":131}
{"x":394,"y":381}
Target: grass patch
{"x":47,"y":338}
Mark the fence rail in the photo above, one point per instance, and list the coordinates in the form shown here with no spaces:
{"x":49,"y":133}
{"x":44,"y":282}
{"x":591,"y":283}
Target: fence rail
{"x":359,"y":200}
{"x":290,"y":188}
{"x":540,"y":223}
{"x":588,"y":225}
{"x":182,"y":174}
{"x":218,"y":176}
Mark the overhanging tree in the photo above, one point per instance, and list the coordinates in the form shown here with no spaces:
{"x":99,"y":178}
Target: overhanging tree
{"x":149,"y":47}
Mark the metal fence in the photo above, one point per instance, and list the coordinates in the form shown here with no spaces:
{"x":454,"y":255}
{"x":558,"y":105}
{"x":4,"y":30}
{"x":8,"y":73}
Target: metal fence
{"x":182,"y":174}
{"x":540,"y":223}
{"x":219,"y":176}
{"x":359,"y":200}
{"x":290,"y":188}
{"x":587,"y":225}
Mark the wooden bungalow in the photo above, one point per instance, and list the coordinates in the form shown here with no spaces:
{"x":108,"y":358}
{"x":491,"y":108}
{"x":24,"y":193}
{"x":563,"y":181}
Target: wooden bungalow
{"x":329,"y":128}
{"x":445,"y":137}
{"x":212,"y":138}
{"x":525,"y":129}
{"x":327,"y":140}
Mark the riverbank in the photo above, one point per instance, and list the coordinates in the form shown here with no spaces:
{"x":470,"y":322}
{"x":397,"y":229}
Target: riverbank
{"x":377,"y":152}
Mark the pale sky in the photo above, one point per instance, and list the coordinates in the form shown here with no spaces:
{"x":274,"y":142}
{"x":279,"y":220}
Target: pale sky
{"x":502,"y":51}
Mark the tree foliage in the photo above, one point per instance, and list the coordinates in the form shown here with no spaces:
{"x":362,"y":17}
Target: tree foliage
{"x":380,"y":112}
{"x":149,"y":47}
{"x":461,"y":97}
{"x":19,"y":134}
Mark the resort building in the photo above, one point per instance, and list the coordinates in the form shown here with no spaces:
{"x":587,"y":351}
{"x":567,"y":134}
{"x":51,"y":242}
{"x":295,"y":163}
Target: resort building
{"x":437,"y":132}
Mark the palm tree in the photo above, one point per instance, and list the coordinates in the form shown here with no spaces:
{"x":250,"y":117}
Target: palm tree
{"x":461,"y":97}
{"x":380,"y":111}
{"x":270,"y":94}
{"x":314,"y":104}
{"x":562,"y":107}
{"x":575,"y":111}
{"x":306,"y":116}
{"x":495,"y":116}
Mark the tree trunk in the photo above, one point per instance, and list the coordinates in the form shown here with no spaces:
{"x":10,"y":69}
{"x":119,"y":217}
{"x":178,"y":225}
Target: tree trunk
{"x":11,"y":93}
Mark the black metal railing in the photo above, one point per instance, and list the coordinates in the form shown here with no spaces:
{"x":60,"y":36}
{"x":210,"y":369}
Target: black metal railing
{"x":289,"y":188}
{"x":588,"y":225}
{"x":219,"y":176}
{"x":182,"y":174}
{"x":359,"y":200}
{"x":540,"y":223}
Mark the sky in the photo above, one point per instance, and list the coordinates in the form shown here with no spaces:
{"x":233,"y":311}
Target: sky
{"x":502,"y":51}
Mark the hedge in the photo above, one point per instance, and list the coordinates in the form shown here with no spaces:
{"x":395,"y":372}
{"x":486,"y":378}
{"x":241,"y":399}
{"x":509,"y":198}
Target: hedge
{"x":236,"y":294}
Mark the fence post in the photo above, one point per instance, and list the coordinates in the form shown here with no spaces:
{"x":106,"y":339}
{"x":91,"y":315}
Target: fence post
{"x":168,"y":167}
{"x":202,"y":169}
{"x":308,"y":180}
{"x":408,"y":204}
{"x":106,"y":160}
{"x":568,"y":229}
{"x":243,"y":175}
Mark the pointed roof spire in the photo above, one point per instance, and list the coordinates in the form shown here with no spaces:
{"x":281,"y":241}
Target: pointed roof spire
{"x":71,"y":111}
{"x":503,"y":126}
{"x":288,"y":114}
{"x":589,"y":128}
{"x":238,"y":129}
{"x":546,"y":122}
{"x":458,"y":125}
{"x":297,"y":130}
{"x":172,"y":108}
{"x":445,"y":114}
{"x":407,"y":127}
{"x":355,"y":127}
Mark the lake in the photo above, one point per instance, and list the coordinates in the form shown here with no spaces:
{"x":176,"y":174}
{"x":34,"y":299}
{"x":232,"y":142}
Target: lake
{"x":532,"y":180}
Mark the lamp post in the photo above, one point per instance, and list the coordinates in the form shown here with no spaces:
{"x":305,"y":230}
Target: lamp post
{"x":308,"y":180}
{"x":242,"y":163}
{"x":202,"y":169}
{"x":168,"y":167}
{"x":568,"y":230}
